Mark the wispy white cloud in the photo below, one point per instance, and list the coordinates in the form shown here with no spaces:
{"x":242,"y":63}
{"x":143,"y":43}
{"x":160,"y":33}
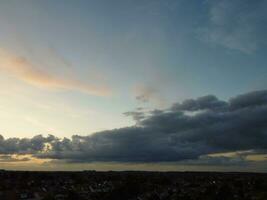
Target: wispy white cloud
{"x":146,"y":93}
{"x":25,"y":70}
{"x":237,"y":25}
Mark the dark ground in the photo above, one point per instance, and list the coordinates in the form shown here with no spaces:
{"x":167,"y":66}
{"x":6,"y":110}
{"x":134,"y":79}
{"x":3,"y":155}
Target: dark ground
{"x":93,"y":185}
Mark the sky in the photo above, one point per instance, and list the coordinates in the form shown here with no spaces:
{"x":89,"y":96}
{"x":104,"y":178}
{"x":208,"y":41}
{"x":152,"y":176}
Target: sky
{"x":133,"y":85}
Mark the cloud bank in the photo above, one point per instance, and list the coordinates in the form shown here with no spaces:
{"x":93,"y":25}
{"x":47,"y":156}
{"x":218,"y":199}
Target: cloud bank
{"x":190,"y":130}
{"x":24,"y":70}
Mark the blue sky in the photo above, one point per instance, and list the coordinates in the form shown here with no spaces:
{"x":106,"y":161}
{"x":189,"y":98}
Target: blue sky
{"x":155,"y":45}
{"x":74,"y":67}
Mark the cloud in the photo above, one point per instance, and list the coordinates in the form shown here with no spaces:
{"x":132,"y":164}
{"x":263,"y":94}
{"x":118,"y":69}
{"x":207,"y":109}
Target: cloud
{"x":136,"y":115}
{"x":25,"y":70}
{"x":12,"y":158}
{"x":206,"y":102}
{"x":145,"y":94}
{"x":238,"y":25}
{"x":170,"y":135}
{"x":251,"y":99}
{"x":25,"y":145}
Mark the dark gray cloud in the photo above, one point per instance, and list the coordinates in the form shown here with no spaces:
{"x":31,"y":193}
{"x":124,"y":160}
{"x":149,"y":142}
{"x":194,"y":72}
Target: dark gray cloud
{"x":206,"y":102}
{"x":24,"y":145}
{"x":251,"y":99}
{"x":136,"y":115}
{"x":239,"y":124}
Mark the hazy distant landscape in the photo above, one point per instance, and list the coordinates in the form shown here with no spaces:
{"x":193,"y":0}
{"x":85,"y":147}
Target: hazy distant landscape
{"x":92,"y":185}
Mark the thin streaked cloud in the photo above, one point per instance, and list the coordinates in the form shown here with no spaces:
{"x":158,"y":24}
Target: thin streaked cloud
{"x":24,"y":70}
